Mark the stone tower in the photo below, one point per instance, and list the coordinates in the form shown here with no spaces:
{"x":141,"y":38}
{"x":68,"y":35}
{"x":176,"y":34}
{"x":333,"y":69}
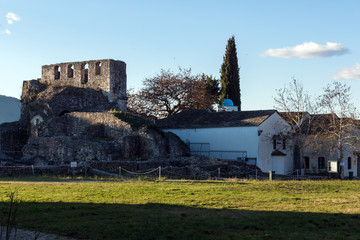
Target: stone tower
{"x":106,"y":75}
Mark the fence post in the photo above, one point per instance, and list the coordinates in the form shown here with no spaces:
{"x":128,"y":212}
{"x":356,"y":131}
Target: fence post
{"x":159,"y":173}
{"x":256,"y":174}
{"x":32,"y":168}
{"x":271,"y":175}
{"x":297,"y":173}
{"x":219,"y":172}
{"x":120,"y":171}
{"x":85,"y":169}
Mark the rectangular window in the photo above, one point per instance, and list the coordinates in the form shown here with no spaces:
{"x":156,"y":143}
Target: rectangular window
{"x":306,"y":162}
{"x":274,"y":143}
{"x":84,"y":73}
{"x":284,"y":144}
{"x":98,"y":68}
{"x":57,"y":71}
{"x":70,"y":71}
{"x":321,"y":163}
{"x":349,"y":162}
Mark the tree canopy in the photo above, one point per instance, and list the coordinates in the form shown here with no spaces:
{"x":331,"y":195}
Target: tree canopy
{"x":169,"y":93}
{"x":230,"y":79}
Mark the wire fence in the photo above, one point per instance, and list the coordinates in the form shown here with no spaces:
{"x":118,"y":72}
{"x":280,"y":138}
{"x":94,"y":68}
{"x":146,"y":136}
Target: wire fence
{"x":158,"y":172}
{"x":141,"y":173}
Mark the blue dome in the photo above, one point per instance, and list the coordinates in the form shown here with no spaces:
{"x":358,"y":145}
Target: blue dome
{"x":228,"y":103}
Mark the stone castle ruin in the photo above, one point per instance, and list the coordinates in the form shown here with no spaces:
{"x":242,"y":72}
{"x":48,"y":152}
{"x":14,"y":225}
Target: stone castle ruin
{"x":76,"y":112}
{"x":107,"y":75}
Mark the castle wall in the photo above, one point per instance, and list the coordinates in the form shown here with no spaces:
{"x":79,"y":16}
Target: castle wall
{"x":12,"y":138}
{"x":100,"y":136}
{"x":107,"y":75}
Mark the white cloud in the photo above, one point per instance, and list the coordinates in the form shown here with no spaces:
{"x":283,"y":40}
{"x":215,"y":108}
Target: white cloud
{"x":7,"y":32}
{"x":352,"y":73}
{"x":308,"y":50}
{"x":12,"y":17}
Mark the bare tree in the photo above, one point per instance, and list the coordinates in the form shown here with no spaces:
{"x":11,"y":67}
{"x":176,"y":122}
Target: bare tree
{"x":167,"y":94}
{"x":334,"y":131}
{"x":339,"y":126}
{"x":295,"y":106}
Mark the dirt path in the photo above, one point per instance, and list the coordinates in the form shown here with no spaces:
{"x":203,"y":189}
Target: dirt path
{"x":31,"y":235}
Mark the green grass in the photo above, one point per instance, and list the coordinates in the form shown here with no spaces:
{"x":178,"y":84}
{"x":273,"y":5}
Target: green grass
{"x":189,"y":209}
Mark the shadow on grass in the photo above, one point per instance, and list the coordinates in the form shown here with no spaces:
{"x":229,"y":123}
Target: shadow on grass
{"x":162,"y":221}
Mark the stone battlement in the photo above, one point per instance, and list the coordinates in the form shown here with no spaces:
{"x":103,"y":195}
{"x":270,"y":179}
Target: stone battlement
{"x":107,"y":75}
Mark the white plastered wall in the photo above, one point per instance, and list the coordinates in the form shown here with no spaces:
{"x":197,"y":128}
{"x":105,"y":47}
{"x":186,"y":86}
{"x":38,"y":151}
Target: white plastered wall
{"x":223,"y":139}
{"x":274,"y":125}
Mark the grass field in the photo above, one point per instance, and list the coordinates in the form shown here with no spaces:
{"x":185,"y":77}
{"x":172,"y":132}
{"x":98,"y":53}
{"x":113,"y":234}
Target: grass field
{"x":189,"y":210}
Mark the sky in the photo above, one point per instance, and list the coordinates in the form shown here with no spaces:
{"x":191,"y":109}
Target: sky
{"x":315,"y":42}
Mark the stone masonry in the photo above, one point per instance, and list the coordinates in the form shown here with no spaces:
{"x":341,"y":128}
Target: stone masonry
{"x":107,"y":75}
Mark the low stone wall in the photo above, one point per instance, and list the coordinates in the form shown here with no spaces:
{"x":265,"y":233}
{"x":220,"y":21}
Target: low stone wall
{"x":6,"y":171}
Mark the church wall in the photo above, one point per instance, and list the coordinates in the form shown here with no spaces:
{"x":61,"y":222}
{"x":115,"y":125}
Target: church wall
{"x":223,"y":140}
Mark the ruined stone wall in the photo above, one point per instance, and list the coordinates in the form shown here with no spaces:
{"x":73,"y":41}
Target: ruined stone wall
{"x":42,"y":104}
{"x":12,"y":139}
{"x":87,"y":124}
{"x":107,"y":75}
{"x":63,"y":150}
{"x":99,"y":136}
{"x":118,"y":84}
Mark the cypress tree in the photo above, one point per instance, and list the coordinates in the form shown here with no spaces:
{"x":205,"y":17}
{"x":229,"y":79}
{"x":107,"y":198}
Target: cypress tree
{"x":230,"y":79}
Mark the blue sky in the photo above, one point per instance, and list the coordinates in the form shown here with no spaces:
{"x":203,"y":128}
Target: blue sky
{"x":313,"y":41}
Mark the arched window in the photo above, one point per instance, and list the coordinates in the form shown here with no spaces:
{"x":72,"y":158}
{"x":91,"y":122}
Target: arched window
{"x":70,"y":71}
{"x":97,"y":68}
{"x":84,"y":73}
{"x":57,"y":70}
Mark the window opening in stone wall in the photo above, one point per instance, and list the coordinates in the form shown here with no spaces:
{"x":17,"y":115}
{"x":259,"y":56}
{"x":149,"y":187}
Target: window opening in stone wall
{"x":84,"y":73}
{"x":70,"y":71}
{"x":97,"y":68}
{"x":57,"y":72}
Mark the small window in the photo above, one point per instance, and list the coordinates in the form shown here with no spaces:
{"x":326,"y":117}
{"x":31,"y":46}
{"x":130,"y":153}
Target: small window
{"x":84,"y":73}
{"x":98,"y":68}
{"x":284,"y":144}
{"x":321,"y":163}
{"x":274,"y":143}
{"x":306,"y":162}
{"x":349,"y":162}
{"x":70,"y":71}
{"x":57,"y":72}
